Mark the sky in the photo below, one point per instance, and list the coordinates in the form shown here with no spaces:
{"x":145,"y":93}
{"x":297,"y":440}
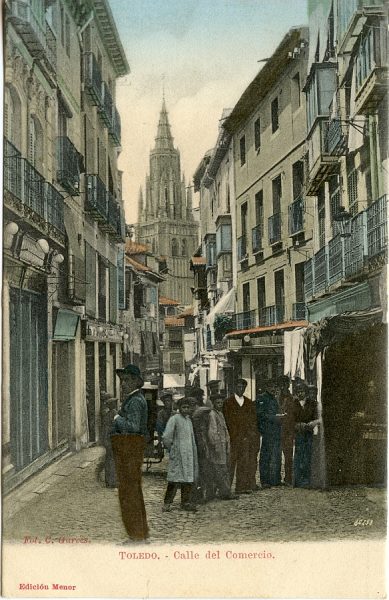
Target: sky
{"x":204,"y":53}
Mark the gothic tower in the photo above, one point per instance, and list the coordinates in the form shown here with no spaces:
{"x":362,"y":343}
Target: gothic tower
{"x":165,"y":219}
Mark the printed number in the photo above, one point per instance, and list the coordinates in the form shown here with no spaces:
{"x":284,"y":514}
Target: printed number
{"x":363,"y":522}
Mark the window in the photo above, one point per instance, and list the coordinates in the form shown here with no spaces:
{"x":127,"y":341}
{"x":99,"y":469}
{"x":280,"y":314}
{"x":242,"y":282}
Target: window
{"x":246,"y":296}
{"x":210,"y":251}
{"x":295,"y":92}
{"x":174,"y":247}
{"x":279,"y":291}
{"x":320,"y":91}
{"x":261,"y":294}
{"x":138,"y":300}
{"x":259,"y":209}
{"x":257,"y":134}
{"x":35,"y":143}
{"x":90,"y":270}
{"x":298,"y":179}
{"x":335,"y":199}
{"x":243,"y":218}
{"x":299,"y":281}
{"x":12,"y":116}
{"x":277,"y":194}
{"x":352,"y":189}
{"x":223,"y":238}
{"x":184,"y":251}
{"x":228,"y":207}
{"x":274,"y":115}
{"x":102,"y":288}
{"x":113,"y":294}
{"x":242,"y":146}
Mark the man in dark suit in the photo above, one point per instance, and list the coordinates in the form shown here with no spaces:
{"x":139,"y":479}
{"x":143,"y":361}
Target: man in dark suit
{"x":240,"y":416}
{"x":128,"y":438}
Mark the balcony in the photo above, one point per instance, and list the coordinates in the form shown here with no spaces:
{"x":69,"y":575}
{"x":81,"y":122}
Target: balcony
{"x":68,"y":172}
{"x":299,"y":311}
{"x":51,"y":48}
{"x":296,"y":216}
{"x":242,"y":248}
{"x":29,"y":27}
{"x":372,"y":70}
{"x":30,"y":194}
{"x":244,"y":320}
{"x":92,"y":79}
{"x":274,"y":227}
{"x":350,"y":257}
{"x":257,"y":234}
{"x":336,"y":137}
{"x":55,"y":207}
{"x":320,"y":162}
{"x":271,"y":315}
{"x":115,"y":130}
{"x":377,"y":227}
{"x":106,"y":112}
{"x":96,"y":198}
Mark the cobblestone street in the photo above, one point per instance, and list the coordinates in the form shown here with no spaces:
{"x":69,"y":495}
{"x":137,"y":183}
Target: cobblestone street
{"x":67,"y":501}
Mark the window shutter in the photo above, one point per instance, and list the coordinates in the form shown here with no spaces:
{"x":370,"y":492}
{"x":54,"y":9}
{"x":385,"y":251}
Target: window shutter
{"x":113,"y":298}
{"x":121,"y":279}
{"x":90,"y":266}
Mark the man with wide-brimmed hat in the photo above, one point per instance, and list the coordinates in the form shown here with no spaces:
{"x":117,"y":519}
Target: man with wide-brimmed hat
{"x":128,"y":440}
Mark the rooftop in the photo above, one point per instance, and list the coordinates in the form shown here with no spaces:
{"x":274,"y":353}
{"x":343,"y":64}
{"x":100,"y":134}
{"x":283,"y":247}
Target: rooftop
{"x":174,"y":322}
{"x":267,"y":328}
{"x":164,"y":301}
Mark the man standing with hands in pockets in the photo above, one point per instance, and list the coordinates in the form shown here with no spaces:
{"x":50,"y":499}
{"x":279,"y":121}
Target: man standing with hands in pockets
{"x":128,"y":438}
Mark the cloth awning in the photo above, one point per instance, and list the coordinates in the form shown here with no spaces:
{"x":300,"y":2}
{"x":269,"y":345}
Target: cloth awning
{"x":226,"y":304}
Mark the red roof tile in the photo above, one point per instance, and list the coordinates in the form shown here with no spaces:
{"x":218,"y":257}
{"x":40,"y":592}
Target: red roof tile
{"x":137,"y":265}
{"x":188,"y":312}
{"x":136,"y":248}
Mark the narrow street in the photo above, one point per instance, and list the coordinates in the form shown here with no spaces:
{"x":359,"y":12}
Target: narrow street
{"x":67,"y":501}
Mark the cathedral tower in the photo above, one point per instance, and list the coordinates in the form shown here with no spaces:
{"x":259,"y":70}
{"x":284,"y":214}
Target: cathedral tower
{"x":165,"y":216}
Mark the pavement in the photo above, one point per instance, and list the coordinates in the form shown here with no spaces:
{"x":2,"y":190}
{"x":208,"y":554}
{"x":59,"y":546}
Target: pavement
{"x":67,"y":500}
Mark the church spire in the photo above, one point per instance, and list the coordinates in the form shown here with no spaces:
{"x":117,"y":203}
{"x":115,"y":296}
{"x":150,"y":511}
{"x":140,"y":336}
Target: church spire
{"x":164,"y":138}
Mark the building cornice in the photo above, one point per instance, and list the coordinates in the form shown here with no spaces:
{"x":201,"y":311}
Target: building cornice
{"x":110,"y":36}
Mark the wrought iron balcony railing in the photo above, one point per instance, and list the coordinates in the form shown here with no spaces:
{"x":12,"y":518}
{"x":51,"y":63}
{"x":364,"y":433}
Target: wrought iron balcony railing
{"x":68,"y":172}
{"x":29,"y":27}
{"x":107,"y":107}
{"x":271,"y":315}
{"x":257,"y":234}
{"x":29,"y":187}
{"x":242,"y":248}
{"x":335,"y":142}
{"x":244,"y":320}
{"x":274,"y":225}
{"x":336,"y":263}
{"x":93,"y":79}
{"x":308,"y":279}
{"x":96,"y":198}
{"x":299,"y":311}
{"x":377,"y":226}
{"x":321,"y":269}
{"x":115,"y":129}
{"x":296,"y":216}
{"x":55,"y":207}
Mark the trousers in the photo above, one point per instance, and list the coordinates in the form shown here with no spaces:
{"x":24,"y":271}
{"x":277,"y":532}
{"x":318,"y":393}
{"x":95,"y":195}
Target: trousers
{"x":128,"y":455}
{"x":243,"y":458}
{"x":186,"y":490}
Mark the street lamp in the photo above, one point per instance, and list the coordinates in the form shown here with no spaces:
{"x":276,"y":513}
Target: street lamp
{"x":342,"y":220}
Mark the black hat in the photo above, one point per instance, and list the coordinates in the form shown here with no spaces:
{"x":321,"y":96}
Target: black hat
{"x":194,"y":391}
{"x":130,"y":370}
{"x":165,"y":394}
{"x":241,"y":380}
{"x":213,"y":382}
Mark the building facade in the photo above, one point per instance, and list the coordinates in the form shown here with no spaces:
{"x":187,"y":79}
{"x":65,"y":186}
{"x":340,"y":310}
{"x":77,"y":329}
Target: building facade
{"x":64,"y":226}
{"x":273,"y":222}
{"x":165,"y":216}
{"x":345,"y":280}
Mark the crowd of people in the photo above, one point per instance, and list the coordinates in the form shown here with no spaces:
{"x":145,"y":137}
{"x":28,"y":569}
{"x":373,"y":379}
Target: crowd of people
{"x":211,"y":442}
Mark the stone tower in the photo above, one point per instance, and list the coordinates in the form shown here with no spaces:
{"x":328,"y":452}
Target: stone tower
{"x":165,"y":219}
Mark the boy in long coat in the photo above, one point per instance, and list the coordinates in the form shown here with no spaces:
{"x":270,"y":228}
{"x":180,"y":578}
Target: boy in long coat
{"x":179,"y":439}
{"x":219,"y":450}
{"x":240,"y":416}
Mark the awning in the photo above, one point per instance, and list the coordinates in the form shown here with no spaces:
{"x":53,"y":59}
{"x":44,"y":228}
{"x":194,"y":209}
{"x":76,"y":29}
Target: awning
{"x":65,"y":325}
{"x":226,"y":304}
{"x":171,"y":380}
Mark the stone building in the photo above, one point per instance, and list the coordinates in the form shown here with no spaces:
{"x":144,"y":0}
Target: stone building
{"x":165,"y":216}
{"x":63,"y":226}
{"x":273,"y":222}
{"x":345,"y":280}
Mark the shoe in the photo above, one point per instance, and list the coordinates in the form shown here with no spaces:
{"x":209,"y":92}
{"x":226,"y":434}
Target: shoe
{"x":266,"y":486}
{"x":244,"y":491}
{"x":256,"y":488}
{"x":167,"y":508}
{"x":189,"y":507}
{"x":232,"y":497}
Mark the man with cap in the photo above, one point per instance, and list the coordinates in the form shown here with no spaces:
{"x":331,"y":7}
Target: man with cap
{"x":240,"y":416}
{"x":165,"y":412}
{"x":128,"y":438}
{"x":213,"y":390}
